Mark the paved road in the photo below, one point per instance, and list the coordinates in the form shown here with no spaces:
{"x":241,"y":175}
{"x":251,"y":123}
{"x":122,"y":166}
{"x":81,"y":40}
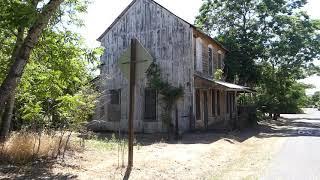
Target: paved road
{"x":299,"y":158}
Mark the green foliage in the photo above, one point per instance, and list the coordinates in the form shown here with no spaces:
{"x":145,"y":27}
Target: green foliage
{"x":170,"y":94}
{"x":272,"y":44}
{"x":218,"y":74}
{"x":58,"y":82}
{"x":78,"y":108}
{"x":314,"y":100}
{"x":256,"y":31}
{"x":285,"y":96}
{"x":55,"y":90}
{"x":107,"y":144}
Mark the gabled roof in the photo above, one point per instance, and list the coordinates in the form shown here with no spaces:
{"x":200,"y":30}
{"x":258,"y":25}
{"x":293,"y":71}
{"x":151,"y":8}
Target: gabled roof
{"x":134,"y":1}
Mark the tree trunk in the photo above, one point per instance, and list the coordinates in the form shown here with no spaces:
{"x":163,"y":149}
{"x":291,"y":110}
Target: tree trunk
{"x":6,"y":118}
{"x":21,"y":58}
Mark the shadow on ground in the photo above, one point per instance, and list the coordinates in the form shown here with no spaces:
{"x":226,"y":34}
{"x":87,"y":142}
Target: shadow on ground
{"x":283,"y":127}
{"x":36,"y":170}
{"x":290,"y":127}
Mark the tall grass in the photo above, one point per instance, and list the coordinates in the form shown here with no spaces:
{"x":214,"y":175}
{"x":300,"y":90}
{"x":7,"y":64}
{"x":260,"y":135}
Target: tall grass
{"x":23,"y":147}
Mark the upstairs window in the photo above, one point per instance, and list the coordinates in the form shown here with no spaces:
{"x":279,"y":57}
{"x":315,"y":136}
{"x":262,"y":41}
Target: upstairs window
{"x":199,"y":49}
{"x":150,"y":106}
{"x":210,"y":61}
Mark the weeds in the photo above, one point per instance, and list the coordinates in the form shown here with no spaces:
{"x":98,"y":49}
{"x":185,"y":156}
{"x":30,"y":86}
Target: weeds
{"x":105,"y":144}
{"x":23,"y":147}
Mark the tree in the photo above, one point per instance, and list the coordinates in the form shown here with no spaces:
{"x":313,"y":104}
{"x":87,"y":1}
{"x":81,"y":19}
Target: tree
{"x":315,"y":99}
{"x":22,"y":25}
{"x":272,"y":43}
{"x":21,"y":56}
{"x":56,"y":77}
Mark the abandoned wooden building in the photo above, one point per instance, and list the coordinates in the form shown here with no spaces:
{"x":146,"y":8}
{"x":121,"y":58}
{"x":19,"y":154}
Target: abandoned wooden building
{"x":186,"y":56}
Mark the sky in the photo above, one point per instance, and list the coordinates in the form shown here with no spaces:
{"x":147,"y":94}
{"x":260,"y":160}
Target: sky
{"x":101,"y":13}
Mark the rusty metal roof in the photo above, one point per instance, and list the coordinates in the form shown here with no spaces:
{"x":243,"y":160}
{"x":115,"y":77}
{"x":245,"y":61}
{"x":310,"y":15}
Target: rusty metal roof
{"x":228,"y":85}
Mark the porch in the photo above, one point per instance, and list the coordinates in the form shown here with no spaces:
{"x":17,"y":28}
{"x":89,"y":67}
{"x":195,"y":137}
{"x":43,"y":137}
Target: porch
{"x":215,"y":103}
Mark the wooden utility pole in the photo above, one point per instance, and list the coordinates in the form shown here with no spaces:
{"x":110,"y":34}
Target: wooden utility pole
{"x":131,"y":101}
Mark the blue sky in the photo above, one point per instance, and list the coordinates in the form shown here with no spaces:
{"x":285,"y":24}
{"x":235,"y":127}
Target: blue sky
{"x":101,"y":13}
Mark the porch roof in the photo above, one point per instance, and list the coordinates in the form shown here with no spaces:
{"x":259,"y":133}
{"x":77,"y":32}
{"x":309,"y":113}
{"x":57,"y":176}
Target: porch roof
{"x":229,"y":86}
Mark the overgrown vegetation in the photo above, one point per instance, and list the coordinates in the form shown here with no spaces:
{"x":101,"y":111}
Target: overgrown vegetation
{"x":23,"y":147}
{"x":170,"y":94}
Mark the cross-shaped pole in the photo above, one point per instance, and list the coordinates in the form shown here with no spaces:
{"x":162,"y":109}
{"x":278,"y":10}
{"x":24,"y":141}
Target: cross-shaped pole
{"x":132,"y":81}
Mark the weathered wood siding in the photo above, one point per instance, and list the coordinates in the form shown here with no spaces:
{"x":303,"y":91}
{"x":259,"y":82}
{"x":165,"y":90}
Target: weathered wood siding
{"x":206,"y":42}
{"x":169,"y":40}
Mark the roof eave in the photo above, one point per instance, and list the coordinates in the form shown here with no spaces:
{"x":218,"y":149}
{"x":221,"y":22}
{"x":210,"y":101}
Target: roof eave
{"x":205,"y":34}
{"x":116,"y":20}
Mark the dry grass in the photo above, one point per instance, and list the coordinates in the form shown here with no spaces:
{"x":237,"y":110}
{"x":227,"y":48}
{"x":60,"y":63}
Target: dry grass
{"x":23,"y":147}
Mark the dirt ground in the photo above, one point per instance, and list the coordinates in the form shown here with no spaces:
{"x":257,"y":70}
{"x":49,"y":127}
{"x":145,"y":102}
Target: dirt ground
{"x":237,"y":155}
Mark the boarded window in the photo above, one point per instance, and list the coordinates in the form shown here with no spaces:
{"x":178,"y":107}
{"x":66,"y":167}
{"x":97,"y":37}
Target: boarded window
{"x":114,"y":107}
{"x":218,"y":103}
{"x":210,"y":60}
{"x":198,"y":115}
{"x":213,"y":102}
{"x":150,"y":107}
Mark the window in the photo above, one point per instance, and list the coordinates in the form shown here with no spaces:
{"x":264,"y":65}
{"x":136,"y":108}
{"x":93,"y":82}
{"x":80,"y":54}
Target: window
{"x":114,"y":107}
{"x":115,"y":96}
{"x":213,"y":102}
{"x":219,"y":61}
{"x":195,"y":53}
{"x":210,"y":59}
{"x":218,"y":103}
{"x":150,"y":106}
{"x":199,"y":49}
{"x":198,"y":115}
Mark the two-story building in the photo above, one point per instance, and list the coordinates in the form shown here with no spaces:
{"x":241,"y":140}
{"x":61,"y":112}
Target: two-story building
{"x":186,"y":56}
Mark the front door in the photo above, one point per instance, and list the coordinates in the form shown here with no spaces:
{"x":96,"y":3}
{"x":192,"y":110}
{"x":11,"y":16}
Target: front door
{"x":205,"y":109}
